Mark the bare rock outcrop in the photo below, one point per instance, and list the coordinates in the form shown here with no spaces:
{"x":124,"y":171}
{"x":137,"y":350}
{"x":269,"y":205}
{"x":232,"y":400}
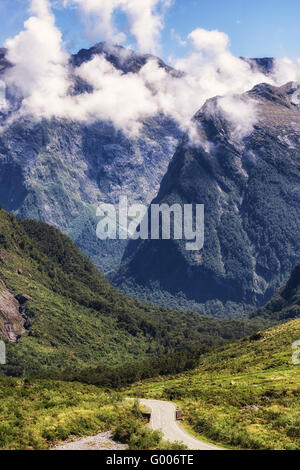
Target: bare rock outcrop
{"x":11,"y":319}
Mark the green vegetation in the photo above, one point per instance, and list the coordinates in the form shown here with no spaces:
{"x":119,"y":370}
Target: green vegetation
{"x":76,"y":319}
{"x":132,"y":431}
{"x":251,"y":198}
{"x":121,"y":376}
{"x":244,"y":395}
{"x":36,"y":414}
{"x":78,"y":328}
{"x":285,"y":304}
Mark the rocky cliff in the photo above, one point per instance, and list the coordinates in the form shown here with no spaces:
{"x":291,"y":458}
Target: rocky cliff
{"x":250,"y":188}
{"x":59,"y":170}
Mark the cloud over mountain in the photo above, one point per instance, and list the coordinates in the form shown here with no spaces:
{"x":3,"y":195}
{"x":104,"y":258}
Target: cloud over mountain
{"x":43,"y":77}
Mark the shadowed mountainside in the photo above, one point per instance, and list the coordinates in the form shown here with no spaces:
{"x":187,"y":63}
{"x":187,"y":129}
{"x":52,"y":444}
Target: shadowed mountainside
{"x":250,"y":189}
{"x":58,"y":171}
{"x":58,"y":312}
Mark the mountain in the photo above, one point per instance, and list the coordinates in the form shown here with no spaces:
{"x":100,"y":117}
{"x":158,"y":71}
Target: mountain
{"x":250,"y":189}
{"x":283,"y":307}
{"x":264,"y":65}
{"x":285,"y":304}
{"x":242,"y":395}
{"x":58,"y":171}
{"x":58,"y":312}
{"x":124,"y":59}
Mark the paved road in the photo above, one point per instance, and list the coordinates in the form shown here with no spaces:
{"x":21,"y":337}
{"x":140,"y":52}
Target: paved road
{"x":163,"y":419}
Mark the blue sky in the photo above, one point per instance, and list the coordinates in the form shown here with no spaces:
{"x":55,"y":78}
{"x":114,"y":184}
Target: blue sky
{"x":256,"y":29}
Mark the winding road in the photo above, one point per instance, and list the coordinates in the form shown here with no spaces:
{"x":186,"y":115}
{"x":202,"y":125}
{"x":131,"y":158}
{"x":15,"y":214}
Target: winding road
{"x":163,"y":418}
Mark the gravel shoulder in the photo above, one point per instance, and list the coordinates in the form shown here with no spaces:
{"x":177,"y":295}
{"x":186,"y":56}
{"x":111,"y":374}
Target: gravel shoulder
{"x":102,"y":441}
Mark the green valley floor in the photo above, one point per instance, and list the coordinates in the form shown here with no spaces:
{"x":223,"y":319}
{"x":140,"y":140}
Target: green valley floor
{"x":244,"y":396}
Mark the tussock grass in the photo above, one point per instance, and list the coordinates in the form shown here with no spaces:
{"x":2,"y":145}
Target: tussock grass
{"x":36,"y":414}
{"x":244,"y":395}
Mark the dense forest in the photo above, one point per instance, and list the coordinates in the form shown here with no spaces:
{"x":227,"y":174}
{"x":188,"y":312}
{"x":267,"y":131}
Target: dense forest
{"x":75,"y":319}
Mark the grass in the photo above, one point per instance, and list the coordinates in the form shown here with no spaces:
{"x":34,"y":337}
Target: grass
{"x":245,"y":395}
{"x":37,"y":414}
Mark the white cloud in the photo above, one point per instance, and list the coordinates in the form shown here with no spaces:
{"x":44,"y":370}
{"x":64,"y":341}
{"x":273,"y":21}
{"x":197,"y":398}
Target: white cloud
{"x":145,"y":20}
{"x":41,"y":8}
{"x":210,"y":70}
{"x":211,"y":42}
{"x":241,"y":112}
{"x":98,"y":15}
{"x":122,"y":99}
{"x":286,"y":70}
{"x":178,"y":38}
{"x":3,"y":102}
{"x":40,"y":70}
{"x":41,"y":73}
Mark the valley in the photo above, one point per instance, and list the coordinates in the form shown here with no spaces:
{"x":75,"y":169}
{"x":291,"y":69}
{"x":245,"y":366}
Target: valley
{"x":241,"y":396}
{"x":91,"y":348}
{"x":149,"y":227}
{"x":73,"y":318}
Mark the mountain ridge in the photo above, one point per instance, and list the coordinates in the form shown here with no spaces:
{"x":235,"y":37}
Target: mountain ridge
{"x":250,"y":192}
{"x":58,"y":171}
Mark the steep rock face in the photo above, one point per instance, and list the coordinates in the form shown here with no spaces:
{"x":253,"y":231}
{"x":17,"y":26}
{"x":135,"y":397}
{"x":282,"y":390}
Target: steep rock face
{"x":251,"y":191}
{"x":3,"y":62}
{"x":57,"y":171}
{"x":11,"y":320}
{"x":264,"y":64}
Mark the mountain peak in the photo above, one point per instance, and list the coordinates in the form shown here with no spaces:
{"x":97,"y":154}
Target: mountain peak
{"x":262,"y":64}
{"x":277,"y":95}
{"x":122,"y":58}
{"x":3,"y":61}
